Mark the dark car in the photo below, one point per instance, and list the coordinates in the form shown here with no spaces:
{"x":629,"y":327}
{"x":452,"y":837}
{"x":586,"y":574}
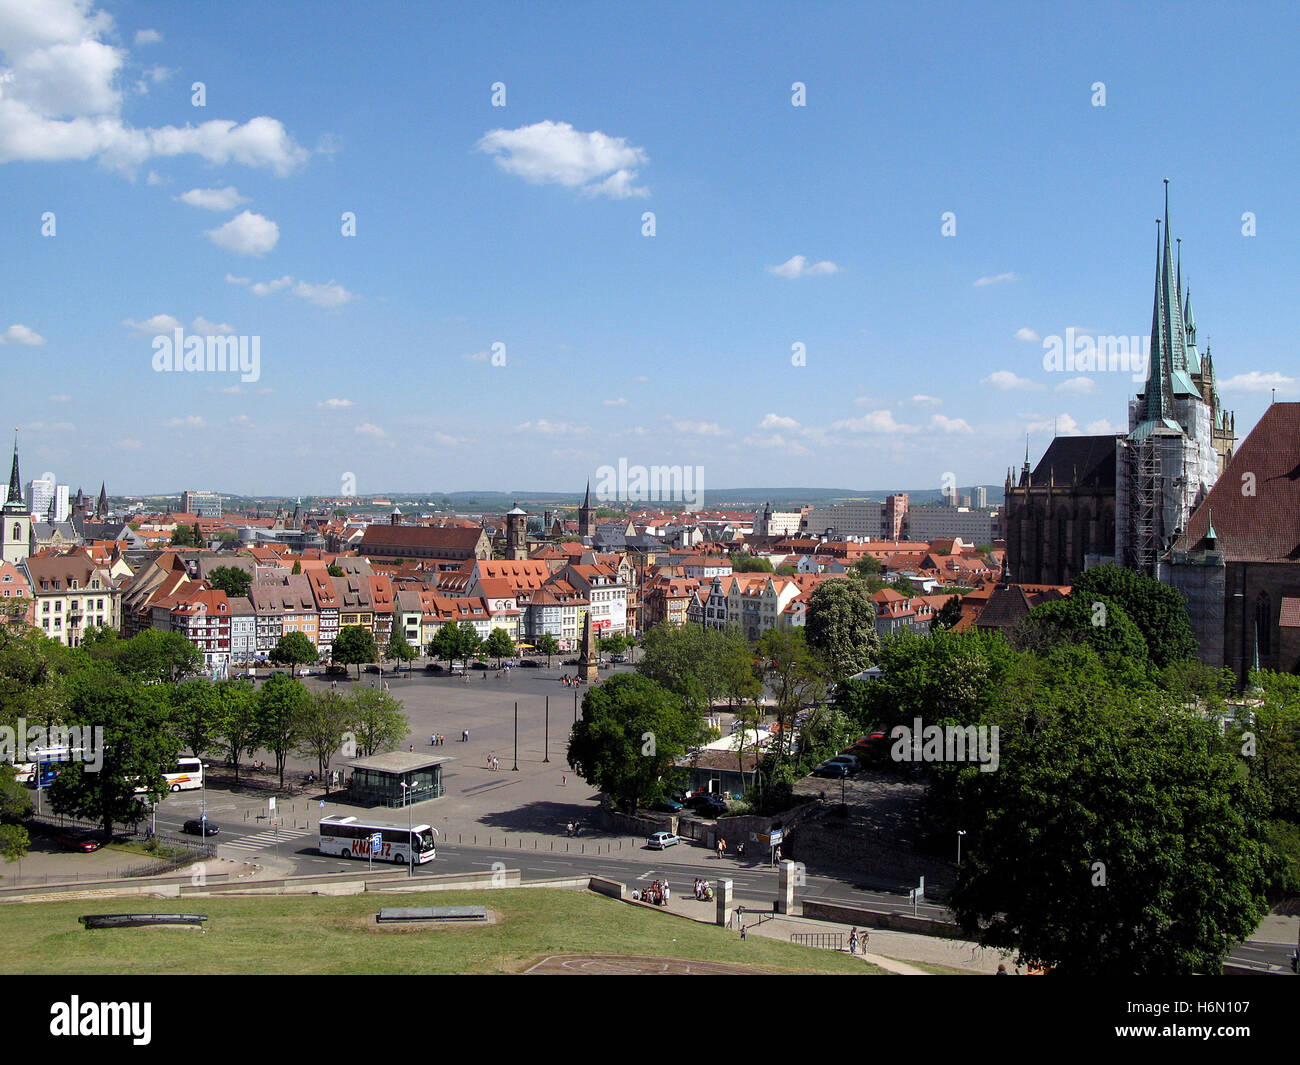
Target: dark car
{"x":434,"y":667}
{"x":708,"y":805}
{"x":833,"y":770}
{"x":86,"y":842}
{"x":479,"y":665}
{"x":570,"y":662}
{"x":197,"y":827}
{"x":373,"y":669}
{"x":531,"y":663}
{"x":666,"y":806}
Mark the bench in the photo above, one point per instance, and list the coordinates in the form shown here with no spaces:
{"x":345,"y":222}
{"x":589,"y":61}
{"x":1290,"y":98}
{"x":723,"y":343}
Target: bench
{"x":431,"y":913}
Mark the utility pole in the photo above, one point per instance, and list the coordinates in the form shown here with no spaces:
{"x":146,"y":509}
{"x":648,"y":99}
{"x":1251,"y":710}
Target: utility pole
{"x":515,"y":768}
{"x":546,"y":742}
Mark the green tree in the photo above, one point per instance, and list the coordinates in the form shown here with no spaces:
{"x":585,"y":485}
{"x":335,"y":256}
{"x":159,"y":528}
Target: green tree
{"x":796,"y":678}
{"x":236,"y":720}
{"x":136,"y":744}
{"x":631,"y":732}
{"x":323,"y":722}
{"x":685,"y":660}
{"x":1096,"y":621}
{"x":196,"y":710}
{"x":294,"y":649}
{"x":904,"y":586}
{"x":183,"y":536}
{"x":498,"y":645}
{"x":445,"y":644}
{"x":399,"y":649}
{"x":549,"y":646}
{"x":1158,"y":610}
{"x":232,"y":580}
{"x":277,"y":710}
{"x":613,"y":645}
{"x":15,"y":808}
{"x":866,"y":566}
{"x":378,"y":720}
{"x":841,"y":627}
{"x":33,"y":672}
{"x":297,"y":568}
{"x":745,"y":563}
{"x":355,"y":646}
{"x":470,"y":641}
{"x":335,"y":571}
{"x":947,"y":615}
{"x":156,"y":657}
{"x":1146,"y":840}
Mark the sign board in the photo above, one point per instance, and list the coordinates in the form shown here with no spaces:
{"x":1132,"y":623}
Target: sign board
{"x":603,"y":623}
{"x":376,"y":843}
{"x":271,"y":803}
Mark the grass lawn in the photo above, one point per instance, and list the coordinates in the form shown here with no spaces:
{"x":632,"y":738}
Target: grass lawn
{"x":319,"y":934}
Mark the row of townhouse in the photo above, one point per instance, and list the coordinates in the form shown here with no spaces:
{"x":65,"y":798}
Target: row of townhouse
{"x":753,"y":602}
{"x":70,"y":594}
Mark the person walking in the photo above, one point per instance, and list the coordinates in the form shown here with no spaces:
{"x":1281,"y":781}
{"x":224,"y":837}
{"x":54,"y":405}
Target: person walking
{"x":853,"y":941}
{"x":568,"y":829}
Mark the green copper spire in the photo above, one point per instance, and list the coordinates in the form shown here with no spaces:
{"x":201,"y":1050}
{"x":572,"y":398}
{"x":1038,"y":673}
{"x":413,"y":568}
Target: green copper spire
{"x":1156,"y":407}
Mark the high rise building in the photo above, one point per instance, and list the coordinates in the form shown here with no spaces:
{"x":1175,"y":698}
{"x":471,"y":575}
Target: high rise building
{"x":981,"y":497}
{"x":203,"y":504}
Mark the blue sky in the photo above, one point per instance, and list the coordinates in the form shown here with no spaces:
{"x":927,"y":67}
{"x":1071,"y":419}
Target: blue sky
{"x":522,"y":226}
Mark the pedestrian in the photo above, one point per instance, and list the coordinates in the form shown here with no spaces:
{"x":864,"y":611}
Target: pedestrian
{"x":866,"y":936}
{"x":433,"y":740}
{"x":853,"y":941}
{"x":564,"y":780}
{"x":743,"y":935}
{"x":1002,"y":970}
{"x":568,"y":829}
{"x":412,"y":746}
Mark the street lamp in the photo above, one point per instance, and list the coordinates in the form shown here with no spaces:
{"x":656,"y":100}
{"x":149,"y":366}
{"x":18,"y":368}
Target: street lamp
{"x":203,"y":810}
{"x":960,"y":832}
{"x":410,"y":843}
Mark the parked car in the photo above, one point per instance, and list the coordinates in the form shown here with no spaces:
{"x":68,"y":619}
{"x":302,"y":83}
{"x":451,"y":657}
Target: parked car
{"x":846,"y":759}
{"x":666,"y":806}
{"x":373,"y":669}
{"x":86,"y":842}
{"x":569,"y":662}
{"x":197,"y":827}
{"x":662,"y":840}
{"x":531,"y":663}
{"x":832,"y":770}
{"x":618,"y":658}
{"x":708,"y":805}
{"x":434,"y":667}
{"x":335,"y":670}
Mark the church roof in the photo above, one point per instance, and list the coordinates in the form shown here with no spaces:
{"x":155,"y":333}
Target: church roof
{"x":1081,"y":461}
{"x":1263,"y":526}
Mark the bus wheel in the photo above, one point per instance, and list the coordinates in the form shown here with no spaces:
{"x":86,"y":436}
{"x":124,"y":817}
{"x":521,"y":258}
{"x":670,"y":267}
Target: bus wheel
{"x":176,"y":787}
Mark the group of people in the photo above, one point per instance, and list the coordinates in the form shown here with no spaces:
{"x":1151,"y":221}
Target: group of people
{"x":573,"y":828}
{"x":492,"y":762}
{"x":437,"y":739}
{"x":854,"y":940}
{"x":703,"y":890}
{"x":570,"y":681}
{"x":657,"y":894}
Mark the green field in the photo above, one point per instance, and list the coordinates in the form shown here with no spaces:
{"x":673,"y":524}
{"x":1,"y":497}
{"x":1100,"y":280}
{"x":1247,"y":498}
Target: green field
{"x":317,"y":934}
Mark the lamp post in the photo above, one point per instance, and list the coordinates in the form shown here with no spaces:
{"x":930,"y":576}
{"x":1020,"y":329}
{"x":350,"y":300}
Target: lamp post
{"x":410,"y":843}
{"x":203,"y":811}
{"x":515,"y":767}
{"x":546,"y":742}
{"x":960,"y":832}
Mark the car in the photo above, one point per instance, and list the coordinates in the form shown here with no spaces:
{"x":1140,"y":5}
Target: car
{"x":569,"y":662}
{"x":457,"y":671}
{"x":708,"y":805}
{"x":848,"y":760}
{"x":86,"y":842}
{"x":336,"y":671}
{"x":479,"y":665}
{"x":666,"y":806}
{"x":832,"y":770}
{"x":198,"y":827}
{"x":373,"y":669}
{"x":662,"y":840}
{"x":434,"y":667}
{"x":305,"y":672}
{"x":618,"y":658}
{"x":531,"y":663}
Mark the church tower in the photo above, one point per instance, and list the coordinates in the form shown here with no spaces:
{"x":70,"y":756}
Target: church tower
{"x":16,"y":530}
{"x":1168,"y":462}
{"x":517,"y":534}
{"x":586,"y":516}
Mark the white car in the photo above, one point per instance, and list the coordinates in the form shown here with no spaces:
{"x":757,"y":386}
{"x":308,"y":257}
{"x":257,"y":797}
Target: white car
{"x":661,"y":840}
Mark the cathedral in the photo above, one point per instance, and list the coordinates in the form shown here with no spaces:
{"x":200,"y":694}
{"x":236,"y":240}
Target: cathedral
{"x":1127,"y":498}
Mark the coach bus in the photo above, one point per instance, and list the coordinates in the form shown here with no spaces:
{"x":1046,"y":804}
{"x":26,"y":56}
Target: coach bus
{"x":184,"y":774}
{"x":349,"y":837}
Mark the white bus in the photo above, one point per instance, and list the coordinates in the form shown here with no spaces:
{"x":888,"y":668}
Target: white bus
{"x":185,"y":774}
{"x":349,"y":837}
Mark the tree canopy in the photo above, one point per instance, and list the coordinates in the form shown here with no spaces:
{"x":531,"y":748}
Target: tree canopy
{"x":841,"y":627}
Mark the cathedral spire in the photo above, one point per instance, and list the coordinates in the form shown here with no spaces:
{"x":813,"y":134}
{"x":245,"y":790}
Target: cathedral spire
{"x":1159,"y":386}
{"x":15,"y":498}
{"x":586,"y":500}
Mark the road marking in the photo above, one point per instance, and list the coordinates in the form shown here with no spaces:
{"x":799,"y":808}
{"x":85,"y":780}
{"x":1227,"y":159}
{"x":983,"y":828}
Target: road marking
{"x":267,"y":838}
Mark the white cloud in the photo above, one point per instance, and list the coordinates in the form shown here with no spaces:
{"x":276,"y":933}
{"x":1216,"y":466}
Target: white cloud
{"x":778,"y":421}
{"x":192,"y":421}
{"x":1006,"y":381}
{"x":798,"y":266}
{"x":238,"y":280}
{"x":229,"y":390}
{"x":1101,"y":427}
{"x":154,"y":178}
{"x":336,"y":404}
{"x":330,"y":294}
{"x":776,"y":442}
{"x":949,"y":425}
{"x":246,"y":234}
{"x":1078,"y":386}
{"x":147,"y":37}
{"x":129,"y":445}
{"x":1062,"y":425}
{"x":549,"y":428}
{"x":225,"y":199}
{"x":60,"y":397}
{"x":1025,"y":333}
{"x":159,"y":323}
{"x":696,"y":428}
{"x":877,"y":421}
{"x":621,"y":401}
{"x":367,"y":429}
{"x":996,"y":279}
{"x":554,"y":153}
{"x":20,"y":334}
{"x":205,"y":328}
{"x":64,"y":90}
{"x":1258,"y":382}
{"x":927,"y":401}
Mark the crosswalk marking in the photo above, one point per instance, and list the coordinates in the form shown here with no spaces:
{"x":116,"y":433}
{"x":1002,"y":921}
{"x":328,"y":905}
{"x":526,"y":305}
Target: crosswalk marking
{"x":268,"y":838}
